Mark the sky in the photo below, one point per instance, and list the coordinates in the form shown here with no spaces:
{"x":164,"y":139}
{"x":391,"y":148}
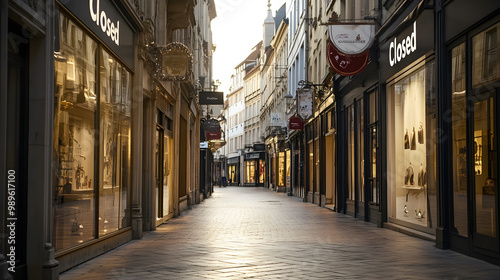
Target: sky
{"x":235,"y":31}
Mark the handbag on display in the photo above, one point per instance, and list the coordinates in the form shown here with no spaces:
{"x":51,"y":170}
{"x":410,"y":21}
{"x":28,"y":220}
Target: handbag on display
{"x":413,"y":143}
{"x":421,"y":134}
{"x":407,"y":141}
{"x":409,"y":176}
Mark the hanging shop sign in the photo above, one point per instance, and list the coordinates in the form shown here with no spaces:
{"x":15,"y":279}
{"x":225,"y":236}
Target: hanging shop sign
{"x":346,"y":65}
{"x":211,"y":98}
{"x":250,"y":156}
{"x":204,"y":145}
{"x":176,"y":62}
{"x":213,"y":135}
{"x":211,"y":125}
{"x":295,"y":123}
{"x":352,"y":38}
{"x":104,"y":19}
{"x":304,"y":103}
{"x":276,"y":120}
{"x":259,"y":147}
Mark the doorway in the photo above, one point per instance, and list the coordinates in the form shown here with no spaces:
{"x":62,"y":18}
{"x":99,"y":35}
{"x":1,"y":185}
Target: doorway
{"x":17,"y":143}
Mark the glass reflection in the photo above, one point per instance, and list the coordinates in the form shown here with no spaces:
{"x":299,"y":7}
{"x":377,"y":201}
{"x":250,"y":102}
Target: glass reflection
{"x":74,"y":136}
{"x":115,"y":84}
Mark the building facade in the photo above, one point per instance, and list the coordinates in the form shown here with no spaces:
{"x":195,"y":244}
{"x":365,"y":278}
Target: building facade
{"x":398,"y":124}
{"x":254,"y":159}
{"x":236,"y":127}
{"x":105,"y":145}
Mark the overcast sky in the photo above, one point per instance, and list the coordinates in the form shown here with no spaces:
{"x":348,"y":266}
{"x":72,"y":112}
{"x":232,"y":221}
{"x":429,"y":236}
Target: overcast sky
{"x":236,"y":30}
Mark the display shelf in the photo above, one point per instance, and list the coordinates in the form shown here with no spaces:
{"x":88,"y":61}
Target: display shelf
{"x":413,"y":187}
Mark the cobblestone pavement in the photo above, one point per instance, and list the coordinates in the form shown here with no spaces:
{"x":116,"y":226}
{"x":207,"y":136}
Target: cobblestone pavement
{"x":255,"y":233}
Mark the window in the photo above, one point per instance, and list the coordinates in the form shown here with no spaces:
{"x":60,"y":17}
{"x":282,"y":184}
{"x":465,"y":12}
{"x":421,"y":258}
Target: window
{"x":75,"y":137}
{"x":83,"y":144}
{"x":250,"y":168}
{"x":360,"y":147}
{"x":350,"y":153}
{"x":459,"y":125}
{"x":412,"y":147}
{"x":373,"y":147}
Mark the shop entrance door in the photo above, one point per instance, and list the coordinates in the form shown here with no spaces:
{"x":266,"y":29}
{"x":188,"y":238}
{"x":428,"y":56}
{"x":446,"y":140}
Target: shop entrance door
{"x":17,"y":144}
{"x":159,"y":173}
{"x":484,"y":191}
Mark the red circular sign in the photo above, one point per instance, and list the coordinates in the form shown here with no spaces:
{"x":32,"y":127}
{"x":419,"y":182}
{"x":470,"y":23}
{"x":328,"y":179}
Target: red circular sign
{"x":344,"y":64}
{"x":295,"y":123}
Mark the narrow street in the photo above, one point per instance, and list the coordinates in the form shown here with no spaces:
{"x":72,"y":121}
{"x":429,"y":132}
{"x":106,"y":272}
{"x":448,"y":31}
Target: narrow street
{"x":255,"y":233}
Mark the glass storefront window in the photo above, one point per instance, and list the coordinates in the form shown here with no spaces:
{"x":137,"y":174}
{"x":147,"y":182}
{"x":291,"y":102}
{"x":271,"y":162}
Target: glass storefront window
{"x":232,"y":173}
{"x":486,"y":166}
{"x":311,"y":165}
{"x":350,"y":153}
{"x":273,"y":171}
{"x":361,"y":149}
{"x":485,"y":61}
{"x":115,"y":86}
{"x":373,"y":148}
{"x":459,"y":130}
{"x":250,"y":169}
{"x":281,"y":169}
{"x":75,"y":106}
{"x":316,"y":165}
{"x":262,"y":171}
{"x":288,"y":168}
{"x":83,"y":144}
{"x":411,"y":141}
{"x":168,"y":178}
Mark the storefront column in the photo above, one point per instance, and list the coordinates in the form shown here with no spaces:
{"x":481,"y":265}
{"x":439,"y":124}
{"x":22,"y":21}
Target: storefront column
{"x":40,"y":256}
{"x":342,"y":157}
{"x":137,"y":147}
{"x":444,"y":131}
{"x":382,"y":139}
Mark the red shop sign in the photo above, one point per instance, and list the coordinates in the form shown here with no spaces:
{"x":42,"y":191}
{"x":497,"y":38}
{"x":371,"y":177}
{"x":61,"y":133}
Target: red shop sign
{"x":346,"y":65}
{"x":213,"y":135}
{"x":295,"y":123}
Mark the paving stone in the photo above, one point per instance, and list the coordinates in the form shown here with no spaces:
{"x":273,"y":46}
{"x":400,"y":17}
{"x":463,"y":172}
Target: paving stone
{"x":254,"y":233}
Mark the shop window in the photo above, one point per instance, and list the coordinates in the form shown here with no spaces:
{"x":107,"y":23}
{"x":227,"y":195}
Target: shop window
{"x":281,"y":169}
{"x":361,"y":150}
{"x":250,"y":169}
{"x":317,"y":158}
{"x":485,"y":60}
{"x":459,"y":130}
{"x":412,"y":141}
{"x":262,"y":171}
{"x":288,"y":168}
{"x":232,"y":174}
{"x":486,"y":166}
{"x":115,"y":87}
{"x":74,"y":137}
{"x":83,"y":144}
{"x":373,"y":147}
{"x":350,"y":153}
{"x":164,"y":159}
{"x":311,"y":165}
{"x":373,"y":107}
